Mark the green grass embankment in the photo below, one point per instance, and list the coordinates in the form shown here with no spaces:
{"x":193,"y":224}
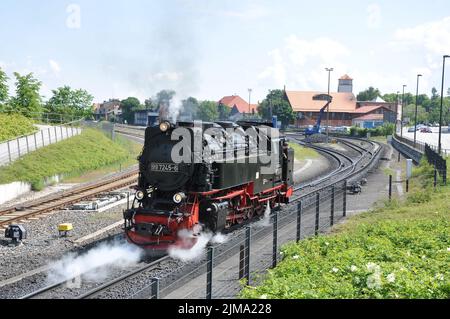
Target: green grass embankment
{"x":87,"y":152}
{"x":399,"y":251}
{"x":15,"y":125}
{"x":302,"y":153}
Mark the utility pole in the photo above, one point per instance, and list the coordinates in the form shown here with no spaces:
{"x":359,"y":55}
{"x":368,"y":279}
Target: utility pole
{"x":442,"y":102}
{"x":415,"y":117}
{"x":401,"y":118}
{"x":249,"y":97}
{"x":328,"y":107}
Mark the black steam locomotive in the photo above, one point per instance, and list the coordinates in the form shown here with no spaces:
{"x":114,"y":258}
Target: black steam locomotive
{"x":195,"y":175}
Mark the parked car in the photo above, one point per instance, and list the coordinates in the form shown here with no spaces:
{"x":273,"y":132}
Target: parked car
{"x":411,"y":129}
{"x":425,"y":130}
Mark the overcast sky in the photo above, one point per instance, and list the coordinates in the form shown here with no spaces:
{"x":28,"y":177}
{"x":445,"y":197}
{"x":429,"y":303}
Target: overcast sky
{"x":208,"y":49}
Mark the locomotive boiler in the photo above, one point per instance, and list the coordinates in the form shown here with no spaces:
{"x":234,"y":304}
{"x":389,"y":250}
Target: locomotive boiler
{"x":210,"y":176}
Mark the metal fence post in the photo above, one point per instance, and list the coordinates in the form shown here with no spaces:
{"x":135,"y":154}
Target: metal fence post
{"x":35,"y":141}
{"x":62,"y":135}
{"x":49,"y":137}
{"x":28,"y":146}
{"x":407,"y":185}
{"x":241,"y":262}
{"x":332,"y":207}
{"x":299,"y":220}
{"x":390,"y":187}
{"x":247,"y":254}
{"x":67,"y":132}
{"x":18,"y":146}
{"x":9,"y":152}
{"x":56,"y":135}
{"x":42,"y":136}
{"x":344,"y":200}
{"x":209,"y":269}
{"x":316,"y":227}
{"x":155,"y":288}
{"x":275,"y":240}
{"x":71,"y":128}
{"x":435,"y":177}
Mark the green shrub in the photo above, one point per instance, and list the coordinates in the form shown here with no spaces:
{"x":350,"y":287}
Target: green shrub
{"x":14,"y":125}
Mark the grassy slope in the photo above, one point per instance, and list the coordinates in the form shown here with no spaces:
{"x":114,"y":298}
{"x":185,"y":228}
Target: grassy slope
{"x":399,"y":251}
{"x":14,"y":125}
{"x":72,"y":157}
{"x":302,"y":153}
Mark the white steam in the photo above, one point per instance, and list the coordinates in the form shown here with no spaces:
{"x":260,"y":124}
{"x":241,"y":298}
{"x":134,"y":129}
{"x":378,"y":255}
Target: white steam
{"x":197,"y":250}
{"x":265,"y":221}
{"x":175,"y":107}
{"x":96,"y":263}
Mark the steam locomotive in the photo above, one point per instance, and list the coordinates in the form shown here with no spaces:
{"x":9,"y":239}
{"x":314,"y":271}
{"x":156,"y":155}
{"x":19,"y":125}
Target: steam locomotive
{"x":197,"y":175}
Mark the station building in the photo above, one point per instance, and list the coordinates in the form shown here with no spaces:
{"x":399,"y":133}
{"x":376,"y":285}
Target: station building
{"x":345,"y":110}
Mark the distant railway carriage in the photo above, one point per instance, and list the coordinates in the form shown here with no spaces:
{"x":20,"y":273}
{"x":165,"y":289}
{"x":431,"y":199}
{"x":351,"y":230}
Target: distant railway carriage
{"x":222,"y":182}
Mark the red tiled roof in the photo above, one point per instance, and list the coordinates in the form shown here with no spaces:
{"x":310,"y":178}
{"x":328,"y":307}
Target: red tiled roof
{"x":302,"y":101}
{"x":369,"y":117}
{"x":369,"y":108}
{"x":240,"y":103}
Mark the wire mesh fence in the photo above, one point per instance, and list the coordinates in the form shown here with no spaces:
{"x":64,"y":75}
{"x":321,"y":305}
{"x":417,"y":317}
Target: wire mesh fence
{"x":13,"y":149}
{"x":222,"y":270}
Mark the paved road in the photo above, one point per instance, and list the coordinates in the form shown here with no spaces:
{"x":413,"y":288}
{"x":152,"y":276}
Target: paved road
{"x":431,"y":138}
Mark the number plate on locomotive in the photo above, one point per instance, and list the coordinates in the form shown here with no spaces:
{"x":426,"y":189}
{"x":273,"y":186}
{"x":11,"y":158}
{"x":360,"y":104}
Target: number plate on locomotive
{"x":164,"y":167}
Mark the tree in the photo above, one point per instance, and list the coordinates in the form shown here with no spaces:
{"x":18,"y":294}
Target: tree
{"x":368,"y":94}
{"x":224,"y":111}
{"x":189,"y":108}
{"x":207,"y":111}
{"x":3,"y":89}
{"x":27,"y":100}
{"x":70,"y":103}
{"x":391,"y":97}
{"x":277,"y":100}
{"x":128,"y":106}
{"x":164,"y":97}
{"x":150,"y":104}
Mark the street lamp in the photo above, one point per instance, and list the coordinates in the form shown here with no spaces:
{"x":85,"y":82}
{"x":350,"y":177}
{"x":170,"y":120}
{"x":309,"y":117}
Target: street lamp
{"x":328,"y":107}
{"x":249,"y":96}
{"x":415,"y":116}
{"x":401,"y":118}
{"x":442,"y":102}
{"x":396,"y":111}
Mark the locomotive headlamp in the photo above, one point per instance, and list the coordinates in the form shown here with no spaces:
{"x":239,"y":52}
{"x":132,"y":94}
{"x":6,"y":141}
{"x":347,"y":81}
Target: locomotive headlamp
{"x":164,"y":126}
{"x":140,"y":195}
{"x":178,"y":197}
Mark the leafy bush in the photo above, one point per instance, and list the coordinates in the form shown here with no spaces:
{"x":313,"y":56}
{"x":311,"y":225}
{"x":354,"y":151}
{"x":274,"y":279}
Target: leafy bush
{"x":384,"y":130}
{"x":14,"y":125}
{"x":85,"y":152}
{"x":398,"y":251}
{"x":388,"y":259}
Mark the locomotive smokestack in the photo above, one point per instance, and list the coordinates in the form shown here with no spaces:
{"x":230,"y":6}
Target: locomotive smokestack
{"x":164,"y":114}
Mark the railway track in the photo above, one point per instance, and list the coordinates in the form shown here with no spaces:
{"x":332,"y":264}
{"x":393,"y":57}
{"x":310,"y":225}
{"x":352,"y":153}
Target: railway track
{"x":347,"y":168}
{"x":63,"y":199}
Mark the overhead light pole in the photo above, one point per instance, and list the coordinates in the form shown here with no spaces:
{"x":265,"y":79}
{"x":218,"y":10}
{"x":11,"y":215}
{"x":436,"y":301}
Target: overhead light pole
{"x":329,"y":70}
{"x":249,"y":97}
{"x":415,"y":116}
{"x":396,"y":111}
{"x":442,"y":102}
{"x":401,"y":118}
